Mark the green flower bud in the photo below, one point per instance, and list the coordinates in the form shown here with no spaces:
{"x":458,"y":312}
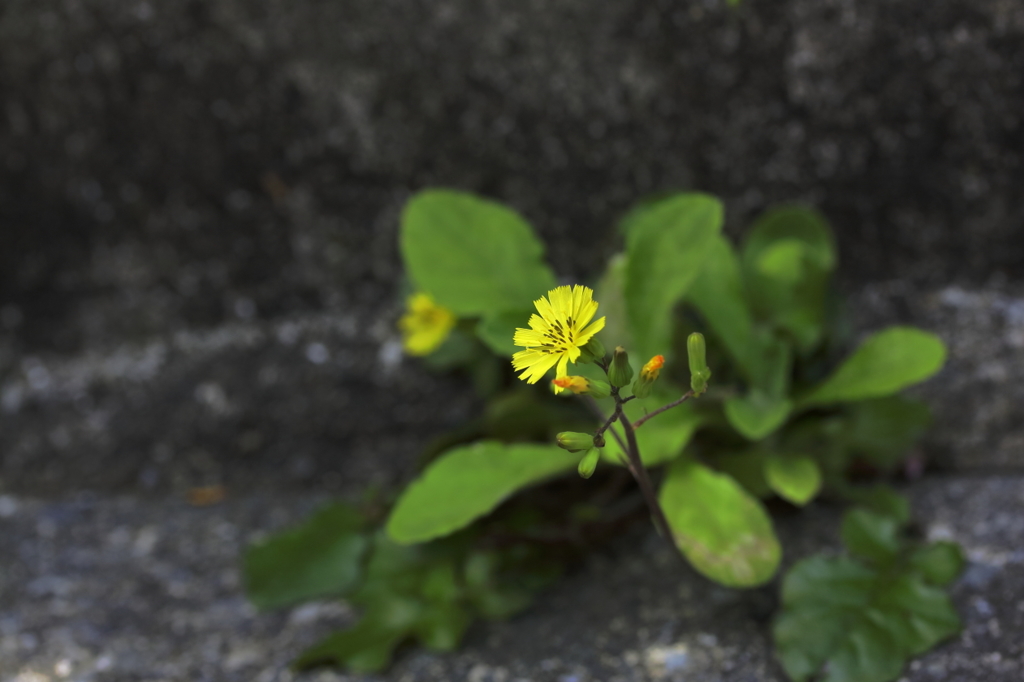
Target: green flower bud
{"x":595,"y":348}
{"x":574,"y":442}
{"x":696,"y":351}
{"x":589,"y":463}
{"x":621,"y":372}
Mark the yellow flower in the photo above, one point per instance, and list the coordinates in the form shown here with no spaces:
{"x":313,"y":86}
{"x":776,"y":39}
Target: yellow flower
{"x":556,"y":335}
{"x":425,"y":324}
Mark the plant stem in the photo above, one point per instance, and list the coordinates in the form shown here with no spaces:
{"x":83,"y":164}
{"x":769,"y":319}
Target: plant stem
{"x":640,"y":422}
{"x":643,"y":480}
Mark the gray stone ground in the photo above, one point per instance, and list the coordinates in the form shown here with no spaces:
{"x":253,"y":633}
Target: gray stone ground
{"x":130,"y":588}
{"x":199,"y":280}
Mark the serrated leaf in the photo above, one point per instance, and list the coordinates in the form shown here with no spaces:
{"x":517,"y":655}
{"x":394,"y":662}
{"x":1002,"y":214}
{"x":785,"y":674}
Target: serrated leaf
{"x":844,"y":622}
{"x":467,"y":483}
{"x":938,"y":563}
{"x":318,"y":558}
{"x":885,"y":363}
{"x":666,"y":246}
{"x":757,"y":415}
{"x":797,"y":479}
{"x":472,"y":255}
{"x":723,"y":531}
{"x":871,"y":535}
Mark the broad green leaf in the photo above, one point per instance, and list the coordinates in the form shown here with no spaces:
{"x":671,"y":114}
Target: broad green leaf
{"x":320,"y":557}
{"x":724,"y":532}
{"x":756,"y":415}
{"x":472,"y":255}
{"x":662,"y":438}
{"x":610,"y":295}
{"x":787,"y":259}
{"x":883,"y":364}
{"x":666,"y":246}
{"x":365,"y":648}
{"x":467,"y":483}
{"x":884,"y":429}
{"x":717,"y":293}
{"x":746,"y":467}
{"x":844,"y":622}
{"x":882,"y":500}
{"x":938,"y":563}
{"x":797,"y":479}
{"x":496,"y":330}
{"x":871,"y":535}
{"x":791,"y":224}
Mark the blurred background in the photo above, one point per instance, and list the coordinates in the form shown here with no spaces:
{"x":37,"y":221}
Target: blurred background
{"x":198,"y":213}
{"x":199,"y":203}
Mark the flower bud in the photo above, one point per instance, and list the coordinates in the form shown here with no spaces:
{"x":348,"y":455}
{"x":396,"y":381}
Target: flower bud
{"x":621,"y":372}
{"x":574,"y":442}
{"x":696,"y":351}
{"x":648,"y":375}
{"x":589,"y":463}
{"x":595,"y":348}
{"x":583,"y":386}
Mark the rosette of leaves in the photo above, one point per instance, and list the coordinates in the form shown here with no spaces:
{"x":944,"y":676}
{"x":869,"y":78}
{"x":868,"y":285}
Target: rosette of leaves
{"x":860,"y":616}
{"x":787,"y":414}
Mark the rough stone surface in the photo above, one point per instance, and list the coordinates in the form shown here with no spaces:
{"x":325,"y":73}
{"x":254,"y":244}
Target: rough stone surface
{"x":176,"y":163}
{"x":976,"y":399}
{"x":631,"y":613}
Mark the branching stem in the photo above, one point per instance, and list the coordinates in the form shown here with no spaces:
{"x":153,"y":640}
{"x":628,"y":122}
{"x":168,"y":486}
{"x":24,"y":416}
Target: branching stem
{"x":640,"y":422}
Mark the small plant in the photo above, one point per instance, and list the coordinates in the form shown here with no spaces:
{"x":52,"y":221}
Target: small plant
{"x":785,"y":417}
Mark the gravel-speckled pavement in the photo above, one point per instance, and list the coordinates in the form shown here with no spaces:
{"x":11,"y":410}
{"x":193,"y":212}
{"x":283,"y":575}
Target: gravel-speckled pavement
{"x":148,"y":589}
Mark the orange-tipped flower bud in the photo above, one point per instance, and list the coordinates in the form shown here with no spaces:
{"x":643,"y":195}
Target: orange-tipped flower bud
{"x":648,"y":375}
{"x":583,"y":386}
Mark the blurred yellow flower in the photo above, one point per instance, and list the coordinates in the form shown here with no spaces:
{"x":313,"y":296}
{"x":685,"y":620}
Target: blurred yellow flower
{"x":425,"y":324}
{"x":556,"y":335}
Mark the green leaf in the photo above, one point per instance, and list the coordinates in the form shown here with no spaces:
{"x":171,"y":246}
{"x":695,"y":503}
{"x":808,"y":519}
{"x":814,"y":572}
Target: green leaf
{"x":472,"y":255}
{"x":320,"y":557}
{"x":791,"y":224}
{"x":787,"y":259}
{"x":870,"y":535}
{"x":882,"y":430}
{"x":717,"y":293}
{"x":365,"y":648}
{"x":938,"y":563}
{"x":756,"y":415}
{"x":724,"y":532}
{"x":885,"y":363}
{"x":467,"y":483}
{"x":667,"y":245}
{"x":610,"y":294}
{"x":746,"y":467}
{"x":797,"y":479}
{"x":882,"y":500}
{"x":496,"y":330}
{"x":846,"y":622}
